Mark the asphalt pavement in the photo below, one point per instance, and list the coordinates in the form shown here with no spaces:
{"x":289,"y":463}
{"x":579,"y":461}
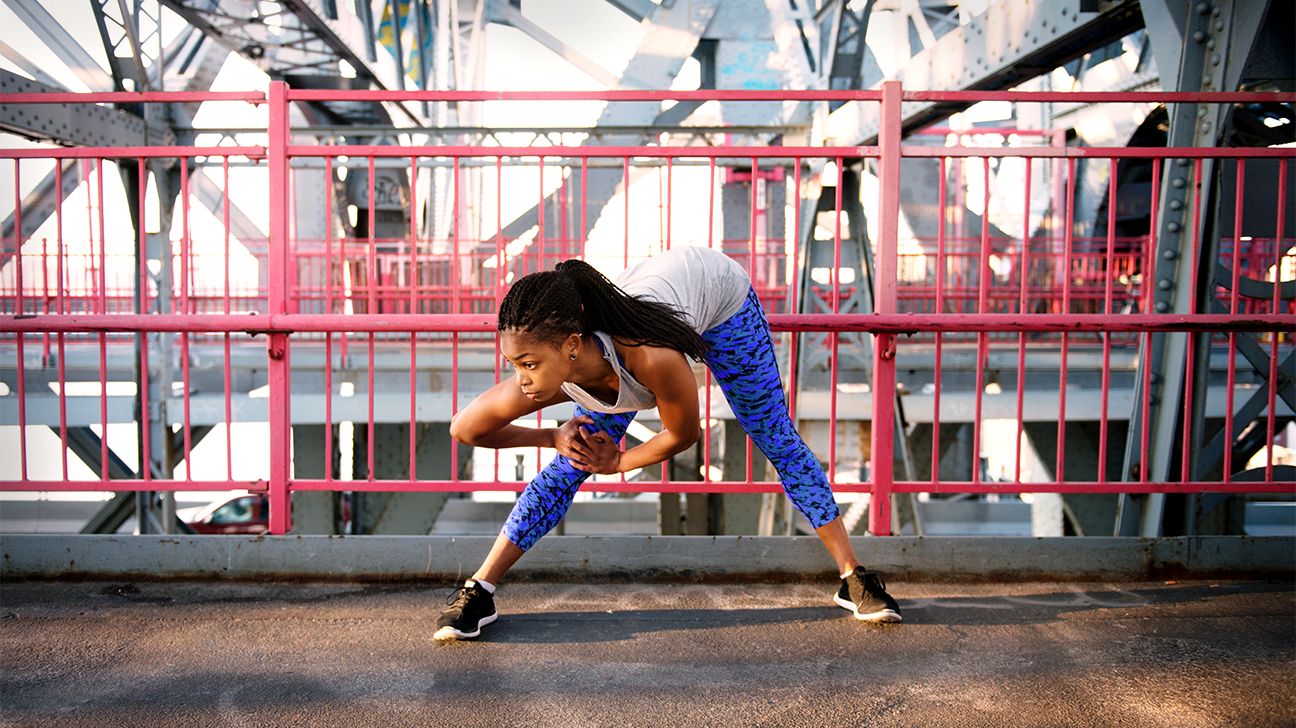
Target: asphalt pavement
{"x":220,"y":653}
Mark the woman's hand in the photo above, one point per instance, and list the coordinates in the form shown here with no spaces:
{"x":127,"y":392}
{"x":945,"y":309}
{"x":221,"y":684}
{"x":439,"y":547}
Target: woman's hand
{"x":593,"y":452}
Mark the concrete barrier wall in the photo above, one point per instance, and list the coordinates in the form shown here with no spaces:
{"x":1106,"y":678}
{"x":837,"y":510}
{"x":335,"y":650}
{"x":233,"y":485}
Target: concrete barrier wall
{"x":639,"y":558}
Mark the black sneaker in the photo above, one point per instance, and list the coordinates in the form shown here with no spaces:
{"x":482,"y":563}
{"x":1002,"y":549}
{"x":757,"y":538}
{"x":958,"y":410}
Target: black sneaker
{"x":471,"y":608}
{"x":864,"y":593}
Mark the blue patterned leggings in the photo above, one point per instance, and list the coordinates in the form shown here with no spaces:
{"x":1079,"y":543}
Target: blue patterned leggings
{"x":741,"y":358}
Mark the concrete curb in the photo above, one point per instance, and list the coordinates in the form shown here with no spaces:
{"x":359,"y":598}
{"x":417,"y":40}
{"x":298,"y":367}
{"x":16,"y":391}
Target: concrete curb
{"x":639,"y":558}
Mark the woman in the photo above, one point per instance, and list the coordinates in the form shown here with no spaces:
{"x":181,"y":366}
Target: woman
{"x":614,"y":349}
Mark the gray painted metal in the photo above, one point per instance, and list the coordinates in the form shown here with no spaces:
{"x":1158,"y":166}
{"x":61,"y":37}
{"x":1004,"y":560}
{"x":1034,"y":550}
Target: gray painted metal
{"x":1012,"y":41}
{"x":670,"y":38}
{"x":1214,"y":41}
{"x":637,"y":9}
{"x":82,"y":124}
{"x":579,"y":558}
{"x":69,"y":50}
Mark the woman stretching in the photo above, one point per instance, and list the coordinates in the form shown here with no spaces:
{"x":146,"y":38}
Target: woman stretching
{"x":614,"y":349}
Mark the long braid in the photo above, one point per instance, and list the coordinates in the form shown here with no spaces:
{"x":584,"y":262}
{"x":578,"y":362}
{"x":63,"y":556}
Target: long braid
{"x":575,"y":297}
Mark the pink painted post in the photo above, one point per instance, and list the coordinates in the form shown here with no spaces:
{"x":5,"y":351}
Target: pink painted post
{"x":884,"y":302}
{"x":276,"y":288}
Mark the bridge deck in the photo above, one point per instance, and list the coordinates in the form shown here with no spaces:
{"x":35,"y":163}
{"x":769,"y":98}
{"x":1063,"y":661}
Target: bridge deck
{"x":228,"y":653}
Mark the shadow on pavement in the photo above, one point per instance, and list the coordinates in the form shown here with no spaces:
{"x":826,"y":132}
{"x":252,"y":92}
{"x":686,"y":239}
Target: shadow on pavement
{"x":1039,"y":608}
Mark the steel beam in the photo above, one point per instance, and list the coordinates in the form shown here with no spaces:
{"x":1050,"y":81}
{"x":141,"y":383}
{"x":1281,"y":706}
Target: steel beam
{"x":1011,"y":42}
{"x":88,"y":125}
{"x":637,"y":9}
{"x":671,"y":37}
{"x":52,"y":33}
{"x":503,"y":12}
{"x":1214,"y":40}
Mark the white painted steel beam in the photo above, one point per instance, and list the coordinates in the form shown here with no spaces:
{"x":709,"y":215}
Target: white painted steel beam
{"x":1011,"y":42}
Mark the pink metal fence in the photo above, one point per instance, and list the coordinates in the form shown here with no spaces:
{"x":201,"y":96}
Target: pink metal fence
{"x":959,"y":292}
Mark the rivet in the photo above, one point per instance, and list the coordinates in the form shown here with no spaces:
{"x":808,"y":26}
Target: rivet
{"x":1177,"y":182}
{"x":1169,"y":254}
{"x":1203,"y":8}
{"x":1174,"y":227}
{"x":1164,"y":284}
{"x":1205,"y":126}
{"x":1162,"y":306}
{"x":1211,"y":44}
{"x":1176,"y":205}
{"x":1181,"y":162}
{"x":1201,"y":110}
{"x":1219,"y":26}
{"x":1215,"y":59}
{"x":1199,"y":36}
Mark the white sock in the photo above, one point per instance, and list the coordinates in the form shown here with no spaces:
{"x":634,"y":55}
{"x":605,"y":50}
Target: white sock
{"x":852,"y":571}
{"x":489,"y":587}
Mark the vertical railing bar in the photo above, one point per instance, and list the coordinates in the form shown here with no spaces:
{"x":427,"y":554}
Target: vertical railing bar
{"x":710,"y":244}
{"x":834,"y":337}
{"x":46,"y":298}
{"x":984,"y":274}
{"x":942,"y":214}
{"x":625,"y":196}
{"x":751,"y":218}
{"x":625,"y":255}
{"x":499,"y":258}
{"x":145,"y":466}
{"x":229,"y":419}
{"x":1196,"y":233}
{"x":412,"y":282}
{"x":1237,"y":239}
{"x":62,"y":303}
{"x":1022,"y":307}
{"x":883,"y":436}
{"x":1270,"y":423}
{"x":790,"y":278}
{"x":371,"y":250}
{"x":1146,"y":384}
{"x":22,"y":381}
{"x":413,"y":244}
{"x":372,"y":286}
{"x":669,"y":199}
{"x":328,"y":308}
{"x":1107,"y":309}
{"x":1233,"y":310}
{"x":186,"y":308}
{"x":103,"y":337}
{"x":540,"y":194}
{"x":279,"y":378}
{"x":1060,"y":465}
{"x":456,"y":272}
{"x":711,"y":166}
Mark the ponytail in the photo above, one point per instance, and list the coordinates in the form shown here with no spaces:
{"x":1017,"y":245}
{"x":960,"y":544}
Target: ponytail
{"x":575,"y":297}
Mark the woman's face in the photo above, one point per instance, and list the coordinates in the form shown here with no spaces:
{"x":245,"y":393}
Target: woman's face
{"x":541,"y":366}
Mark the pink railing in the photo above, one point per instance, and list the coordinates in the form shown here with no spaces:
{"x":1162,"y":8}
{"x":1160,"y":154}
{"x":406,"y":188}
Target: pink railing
{"x":956,"y":292}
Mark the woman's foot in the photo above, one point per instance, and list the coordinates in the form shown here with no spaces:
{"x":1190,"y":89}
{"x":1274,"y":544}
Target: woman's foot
{"x":864,"y":593}
{"x":471,"y":608}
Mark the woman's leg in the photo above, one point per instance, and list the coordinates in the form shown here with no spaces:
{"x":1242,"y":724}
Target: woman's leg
{"x":741,"y":357}
{"x":544,"y":502}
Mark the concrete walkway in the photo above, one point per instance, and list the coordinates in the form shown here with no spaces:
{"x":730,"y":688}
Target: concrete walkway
{"x":1031,"y":654}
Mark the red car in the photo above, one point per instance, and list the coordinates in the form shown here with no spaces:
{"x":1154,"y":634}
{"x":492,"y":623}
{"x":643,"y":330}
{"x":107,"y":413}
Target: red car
{"x":242,"y":514}
{"x":233,"y":515}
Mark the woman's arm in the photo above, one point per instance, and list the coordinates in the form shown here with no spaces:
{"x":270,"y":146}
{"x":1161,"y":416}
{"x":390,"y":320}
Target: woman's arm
{"x":487,"y":422}
{"x":667,"y":374}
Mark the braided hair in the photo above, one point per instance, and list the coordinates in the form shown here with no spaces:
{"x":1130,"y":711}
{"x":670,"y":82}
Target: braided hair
{"x":575,"y":297}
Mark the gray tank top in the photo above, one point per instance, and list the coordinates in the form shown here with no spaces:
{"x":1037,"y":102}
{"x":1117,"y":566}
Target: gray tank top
{"x":706,"y":285}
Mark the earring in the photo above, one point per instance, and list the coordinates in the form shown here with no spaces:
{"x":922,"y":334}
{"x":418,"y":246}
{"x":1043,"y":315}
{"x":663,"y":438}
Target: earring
{"x":572,"y":356}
